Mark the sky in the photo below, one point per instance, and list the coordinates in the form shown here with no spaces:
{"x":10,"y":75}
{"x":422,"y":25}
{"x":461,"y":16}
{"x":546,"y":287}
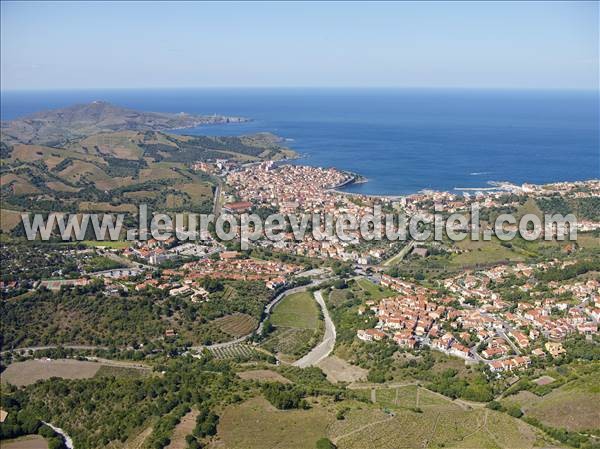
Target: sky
{"x":52,"y":45}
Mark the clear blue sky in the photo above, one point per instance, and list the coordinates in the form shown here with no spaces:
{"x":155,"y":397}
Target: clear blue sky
{"x":504,"y":44}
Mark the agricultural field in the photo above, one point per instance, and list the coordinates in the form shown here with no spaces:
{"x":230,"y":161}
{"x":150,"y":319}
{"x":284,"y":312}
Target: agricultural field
{"x":105,"y":171}
{"x":256,"y":424}
{"x":411,"y":417}
{"x":298,"y":326}
{"x":237,"y":324}
{"x":122,"y":371}
{"x":25,"y":442}
{"x":573,"y":406}
{"x":30,"y":371}
{"x":9,"y":219}
{"x":439,"y":423}
{"x":263,"y":375}
{"x":240,"y":350}
{"x":290,"y":343}
{"x":298,"y":310}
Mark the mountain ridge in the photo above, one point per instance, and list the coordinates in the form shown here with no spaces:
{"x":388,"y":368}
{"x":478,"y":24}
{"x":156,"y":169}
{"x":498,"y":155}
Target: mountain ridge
{"x":56,"y":127}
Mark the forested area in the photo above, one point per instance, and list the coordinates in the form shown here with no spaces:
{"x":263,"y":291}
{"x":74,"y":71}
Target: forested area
{"x":85,"y":315}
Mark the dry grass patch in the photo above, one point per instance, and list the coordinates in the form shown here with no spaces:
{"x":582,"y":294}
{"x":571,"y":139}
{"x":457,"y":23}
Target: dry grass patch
{"x":265,"y":375}
{"x":20,"y":185}
{"x":155,"y":173}
{"x":573,"y":410}
{"x":338,"y":370}
{"x":106,"y":207}
{"x":9,"y":219}
{"x":174,"y":201}
{"x":61,"y":187}
{"x":26,"y":442}
{"x":256,"y":424}
{"x":118,"y":144}
{"x":141,"y":195}
{"x":183,"y":429}
{"x":30,"y":371}
{"x":198,"y":192}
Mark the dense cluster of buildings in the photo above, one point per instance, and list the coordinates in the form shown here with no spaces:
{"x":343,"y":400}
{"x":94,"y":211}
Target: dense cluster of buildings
{"x":229,"y":266}
{"x":469,"y":320}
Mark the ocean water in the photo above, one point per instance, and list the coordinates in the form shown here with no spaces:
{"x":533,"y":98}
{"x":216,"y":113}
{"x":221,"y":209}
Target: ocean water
{"x":401,"y":140}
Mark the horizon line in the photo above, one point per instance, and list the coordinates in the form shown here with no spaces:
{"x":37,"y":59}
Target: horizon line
{"x":223,"y":87}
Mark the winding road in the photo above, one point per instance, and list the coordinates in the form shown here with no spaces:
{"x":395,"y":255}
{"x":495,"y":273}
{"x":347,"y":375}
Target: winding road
{"x":67,"y":439}
{"x":266,"y":314}
{"x":324,"y":348}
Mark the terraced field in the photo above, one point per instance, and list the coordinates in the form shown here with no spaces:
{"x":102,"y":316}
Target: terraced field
{"x":256,"y":424}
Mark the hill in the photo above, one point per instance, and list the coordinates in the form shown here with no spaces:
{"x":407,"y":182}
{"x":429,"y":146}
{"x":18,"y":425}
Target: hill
{"x":111,"y":171}
{"x":56,"y":127}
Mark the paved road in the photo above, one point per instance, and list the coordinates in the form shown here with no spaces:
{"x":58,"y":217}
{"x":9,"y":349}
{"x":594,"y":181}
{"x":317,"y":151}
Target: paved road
{"x":324,"y":348}
{"x":68,"y":441}
{"x":266,"y":313}
{"x":217,"y":201}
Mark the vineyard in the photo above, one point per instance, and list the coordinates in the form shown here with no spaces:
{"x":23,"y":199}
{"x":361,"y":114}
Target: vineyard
{"x":237,"y":351}
{"x":298,"y":326}
{"x":237,"y":324}
{"x":291,"y":341}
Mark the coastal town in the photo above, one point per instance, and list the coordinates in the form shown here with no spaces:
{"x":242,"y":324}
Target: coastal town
{"x":299,"y":225}
{"x":474,"y":323}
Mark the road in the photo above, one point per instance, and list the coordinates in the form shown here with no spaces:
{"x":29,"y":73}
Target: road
{"x":67,"y":439}
{"x":217,"y":201}
{"x":42,"y":348}
{"x":324,"y":348}
{"x":266,"y":313}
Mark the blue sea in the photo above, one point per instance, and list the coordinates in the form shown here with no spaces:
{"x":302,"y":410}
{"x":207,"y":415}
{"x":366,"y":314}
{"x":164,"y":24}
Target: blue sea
{"x":401,"y":140}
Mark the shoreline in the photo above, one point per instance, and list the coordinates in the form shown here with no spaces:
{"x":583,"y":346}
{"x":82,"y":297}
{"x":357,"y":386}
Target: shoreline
{"x":493,"y":187}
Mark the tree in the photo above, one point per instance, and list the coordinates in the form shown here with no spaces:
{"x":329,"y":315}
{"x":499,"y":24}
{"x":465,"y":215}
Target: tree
{"x":325,"y":443}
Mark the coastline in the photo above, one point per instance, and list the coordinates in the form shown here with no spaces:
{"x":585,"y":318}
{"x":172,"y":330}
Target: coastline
{"x":493,"y":187}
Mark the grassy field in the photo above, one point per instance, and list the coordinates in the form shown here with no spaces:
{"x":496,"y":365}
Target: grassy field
{"x":298,"y":327}
{"x":573,"y":406}
{"x":30,"y":371}
{"x":264,"y":375}
{"x":384,"y":425}
{"x":237,"y":324}
{"x":298,"y":310}
{"x":198,"y":192}
{"x":26,"y":442}
{"x":107,"y":244}
{"x":256,"y":424}
{"x":374,"y":291}
{"x":483,"y":252}
{"x":183,"y":429}
{"x":338,"y":370}
{"x":412,"y":417}
{"x":9,"y":219}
